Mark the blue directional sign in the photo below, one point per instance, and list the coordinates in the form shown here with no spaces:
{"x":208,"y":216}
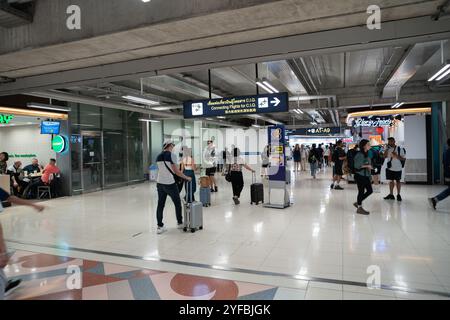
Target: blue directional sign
{"x":317,"y":131}
{"x":234,"y":106}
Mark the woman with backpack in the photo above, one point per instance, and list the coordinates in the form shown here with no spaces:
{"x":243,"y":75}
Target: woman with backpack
{"x":313,"y":160}
{"x":363,"y":177}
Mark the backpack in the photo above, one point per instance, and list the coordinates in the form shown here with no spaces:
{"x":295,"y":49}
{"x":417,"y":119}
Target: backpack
{"x":335,"y":156}
{"x":312,"y":158}
{"x":378,"y":160}
{"x":402,"y":161}
{"x":351,"y":160}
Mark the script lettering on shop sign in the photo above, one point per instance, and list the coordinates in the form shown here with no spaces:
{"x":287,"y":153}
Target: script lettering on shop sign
{"x":373,"y":123}
{"x":5,"y":118}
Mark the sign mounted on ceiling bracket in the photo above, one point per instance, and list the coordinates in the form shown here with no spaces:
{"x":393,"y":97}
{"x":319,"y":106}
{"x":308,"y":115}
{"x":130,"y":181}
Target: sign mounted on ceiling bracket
{"x":233,"y":106}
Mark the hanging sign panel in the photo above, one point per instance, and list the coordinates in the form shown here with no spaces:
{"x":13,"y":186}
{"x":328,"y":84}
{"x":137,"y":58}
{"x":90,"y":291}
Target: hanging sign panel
{"x":269,"y":103}
{"x":317,"y":131}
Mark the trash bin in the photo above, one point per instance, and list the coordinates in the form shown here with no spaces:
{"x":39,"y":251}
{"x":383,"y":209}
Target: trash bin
{"x":153,"y":172}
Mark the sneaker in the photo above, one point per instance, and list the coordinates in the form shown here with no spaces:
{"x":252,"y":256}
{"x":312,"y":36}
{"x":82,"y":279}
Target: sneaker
{"x":432,"y":202}
{"x":216,"y":189}
{"x":362,"y":211}
{"x":161,"y":230}
{"x":338,"y":187}
{"x":332,"y":186}
{"x":12,"y":286}
{"x":212,"y":190}
{"x":356,"y":205}
{"x":399,"y":198}
{"x":389,"y":197}
{"x":236,"y":200}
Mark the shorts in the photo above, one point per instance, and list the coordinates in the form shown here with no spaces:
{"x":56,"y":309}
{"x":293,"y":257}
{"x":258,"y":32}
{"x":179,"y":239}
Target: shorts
{"x":337,"y":170}
{"x":266,"y":165}
{"x":210,"y":172}
{"x":393,"y":175}
{"x":376,"y":171}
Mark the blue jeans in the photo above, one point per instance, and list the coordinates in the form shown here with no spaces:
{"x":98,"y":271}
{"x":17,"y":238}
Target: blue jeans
{"x":313,"y":168}
{"x":190,"y":173}
{"x":444,"y":194}
{"x":170,"y":190}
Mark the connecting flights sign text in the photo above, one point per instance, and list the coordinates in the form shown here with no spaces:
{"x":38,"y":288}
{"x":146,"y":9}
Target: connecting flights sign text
{"x":269,"y":103}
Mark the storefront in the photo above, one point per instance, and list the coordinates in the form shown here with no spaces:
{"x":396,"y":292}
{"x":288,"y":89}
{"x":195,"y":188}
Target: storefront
{"x":409,"y":127}
{"x":33,"y":133}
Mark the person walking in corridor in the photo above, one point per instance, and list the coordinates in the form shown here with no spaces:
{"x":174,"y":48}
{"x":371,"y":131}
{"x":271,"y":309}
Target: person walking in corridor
{"x":168,"y":173}
{"x":237,"y":178}
{"x":313,"y":160}
{"x":446,"y":193}
{"x":297,"y":154}
{"x":8,"y":286}
{"x":363,"y":169}
{"x":396,"y":161}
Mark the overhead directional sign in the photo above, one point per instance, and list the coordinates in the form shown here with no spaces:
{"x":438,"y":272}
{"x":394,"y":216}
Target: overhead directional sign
{"x":318,"y":131}
{"x":268,"y":103}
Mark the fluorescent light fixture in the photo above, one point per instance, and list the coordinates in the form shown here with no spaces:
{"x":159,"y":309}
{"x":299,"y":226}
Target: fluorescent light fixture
{"x":261,"y":85}
{"x":221,"y":117}
{"x":271,"y":87}
{"x":397,"y":105}
{"x":441,"y":73}
{"x":145,"y":1}
{"x":298,"y":111}
{"x":209,"y":119}
{"x":314,"y":124}
{"x":47,"y":107}
{"x":140,"y":100}
{"x":149,"y":120}
{"x":256,"y":126}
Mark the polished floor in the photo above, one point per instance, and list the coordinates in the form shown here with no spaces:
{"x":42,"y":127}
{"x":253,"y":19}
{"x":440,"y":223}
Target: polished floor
{"x":318,"y":238}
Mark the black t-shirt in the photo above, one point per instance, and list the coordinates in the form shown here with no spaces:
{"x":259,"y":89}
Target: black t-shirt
{"x":338,"y":153}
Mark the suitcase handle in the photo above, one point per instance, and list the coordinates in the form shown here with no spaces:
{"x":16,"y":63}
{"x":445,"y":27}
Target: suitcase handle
{"x":253,"y":177}
{"x":189,"y":189}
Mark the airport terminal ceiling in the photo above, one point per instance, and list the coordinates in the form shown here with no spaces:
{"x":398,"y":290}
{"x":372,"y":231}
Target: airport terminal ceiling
{"x":322,"y":88}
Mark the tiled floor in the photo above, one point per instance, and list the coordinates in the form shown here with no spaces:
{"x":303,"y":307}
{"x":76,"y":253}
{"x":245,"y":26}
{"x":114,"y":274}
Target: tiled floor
{"x":318,"y":236}
{"x":53,"y":277}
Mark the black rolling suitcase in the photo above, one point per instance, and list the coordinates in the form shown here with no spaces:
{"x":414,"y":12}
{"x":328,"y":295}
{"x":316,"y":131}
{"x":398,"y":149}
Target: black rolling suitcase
{"x":257,"y":191}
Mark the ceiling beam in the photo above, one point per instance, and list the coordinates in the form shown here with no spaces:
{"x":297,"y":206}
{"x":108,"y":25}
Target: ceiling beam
{"x":400,"y":32}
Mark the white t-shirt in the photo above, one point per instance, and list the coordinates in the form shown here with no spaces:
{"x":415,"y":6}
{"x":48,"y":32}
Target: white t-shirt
{"x":209,"y":157}
{"x":164,"y":175}
{"x":396,"y":163}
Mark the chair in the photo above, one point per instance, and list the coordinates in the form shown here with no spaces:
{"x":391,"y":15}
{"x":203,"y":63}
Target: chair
{"x":44,"y":191}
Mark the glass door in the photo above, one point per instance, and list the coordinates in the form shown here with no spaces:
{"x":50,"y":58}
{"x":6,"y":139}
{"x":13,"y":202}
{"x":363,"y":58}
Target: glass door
{"x":92,"y":164}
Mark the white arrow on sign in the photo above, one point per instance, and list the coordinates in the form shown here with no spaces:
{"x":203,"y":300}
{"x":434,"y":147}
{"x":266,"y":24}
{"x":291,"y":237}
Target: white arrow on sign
{"x":276,"y":102}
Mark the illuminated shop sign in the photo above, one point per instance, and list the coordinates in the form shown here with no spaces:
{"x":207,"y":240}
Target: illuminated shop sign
{"x":373,"y":122}
{"x":235,"y":106}
{"x":6,"y":118}
{"x":59,"y":144}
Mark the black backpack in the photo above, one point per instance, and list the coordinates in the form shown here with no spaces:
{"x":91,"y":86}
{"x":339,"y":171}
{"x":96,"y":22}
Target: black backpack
{"x":351,"y":160}
{"x":378,"y":160}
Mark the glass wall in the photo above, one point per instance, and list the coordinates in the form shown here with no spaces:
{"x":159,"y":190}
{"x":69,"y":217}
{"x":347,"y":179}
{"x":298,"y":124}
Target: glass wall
{"x":135,"y":146}
{"x":120,"y":155}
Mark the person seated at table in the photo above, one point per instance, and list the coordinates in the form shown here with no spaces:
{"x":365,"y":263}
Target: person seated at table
{"x":33,"y":167}
{"x":49,"y":172}
{"x":18,"y":185}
